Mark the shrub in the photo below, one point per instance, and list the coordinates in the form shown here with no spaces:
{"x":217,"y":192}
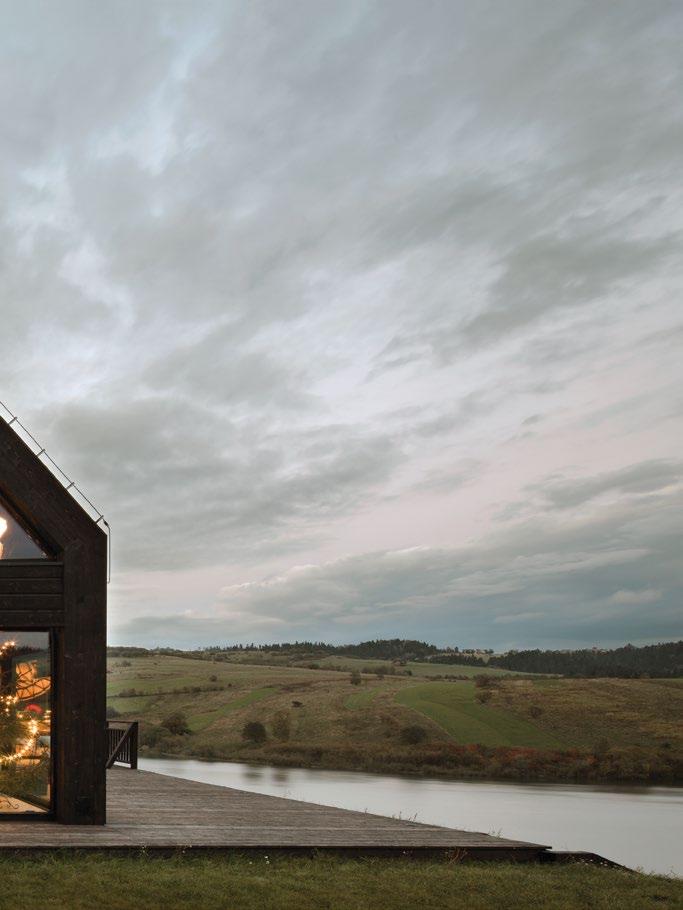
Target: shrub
{"x":112,"y":712}
{"x":282,"y":726}
{"x":176,"y":723}
{"x":535,"y":711}
{"x":486,"y":682}
{"x":413,"y":735}
{"x":601,"y":747}
{"x":254,"y":732}
{"x":150,"y":734}
{"x":483,"y":696}
{"x":355,"y":678}
{"x":213,"y":678}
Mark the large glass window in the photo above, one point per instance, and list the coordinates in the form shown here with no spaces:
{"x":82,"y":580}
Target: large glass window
{"x":16,"y":542}
{"x":25,"y":722}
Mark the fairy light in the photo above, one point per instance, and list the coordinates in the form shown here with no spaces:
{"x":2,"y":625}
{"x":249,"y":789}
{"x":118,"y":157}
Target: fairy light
{"x":8,"y":704}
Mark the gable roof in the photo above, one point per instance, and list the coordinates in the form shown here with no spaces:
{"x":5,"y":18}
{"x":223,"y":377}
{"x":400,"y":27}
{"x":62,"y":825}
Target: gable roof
{"x":36,"y":495}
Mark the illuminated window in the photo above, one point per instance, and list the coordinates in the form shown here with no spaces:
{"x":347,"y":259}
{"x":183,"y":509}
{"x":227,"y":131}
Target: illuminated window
{"x":25,"y":722}
{"x":15,"y":541}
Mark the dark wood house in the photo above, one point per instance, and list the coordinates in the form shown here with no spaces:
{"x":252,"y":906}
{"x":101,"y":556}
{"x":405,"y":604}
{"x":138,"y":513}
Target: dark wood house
{"x":53,"y":575}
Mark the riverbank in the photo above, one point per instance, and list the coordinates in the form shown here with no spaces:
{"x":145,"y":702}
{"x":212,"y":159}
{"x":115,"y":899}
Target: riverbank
{"x":250,"y":882}
{"x":448,"y":761}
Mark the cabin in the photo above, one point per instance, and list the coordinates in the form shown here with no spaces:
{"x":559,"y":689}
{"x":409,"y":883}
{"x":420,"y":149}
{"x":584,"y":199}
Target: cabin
{"x":53,"y":604}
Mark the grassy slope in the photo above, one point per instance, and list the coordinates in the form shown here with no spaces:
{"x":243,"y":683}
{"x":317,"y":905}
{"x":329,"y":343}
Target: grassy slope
{"x":582,"y":712}
{"x":454,"y":708}
{"x":109,"y":882}
{"x":417,"y":669}
{"x":336,"y":724}
{"x":363,"y":698}
{"x":201,"y":721}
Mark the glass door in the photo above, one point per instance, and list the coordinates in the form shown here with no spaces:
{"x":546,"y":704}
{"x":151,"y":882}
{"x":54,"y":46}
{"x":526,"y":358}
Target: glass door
{"x":25,"y":722}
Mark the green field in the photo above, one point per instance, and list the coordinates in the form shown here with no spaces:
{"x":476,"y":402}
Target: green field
{"x":200,"y":721}
{"x":260,"y":882}
{"x":453,"y":707}
{"x":318,"y":718}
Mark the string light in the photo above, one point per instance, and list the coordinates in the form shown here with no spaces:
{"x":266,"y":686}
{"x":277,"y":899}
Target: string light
{"x":7,"y":707}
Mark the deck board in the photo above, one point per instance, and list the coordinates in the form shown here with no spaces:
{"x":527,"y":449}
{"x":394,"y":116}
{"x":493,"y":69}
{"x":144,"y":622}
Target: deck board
{"x":145,"y":809}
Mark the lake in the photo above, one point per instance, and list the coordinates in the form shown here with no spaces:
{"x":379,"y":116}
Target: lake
{"x":640,"y":827}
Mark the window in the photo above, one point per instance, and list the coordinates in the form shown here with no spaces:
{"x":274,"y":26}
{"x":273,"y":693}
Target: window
{"x":15,"y":541}
{"x":25,"y":722}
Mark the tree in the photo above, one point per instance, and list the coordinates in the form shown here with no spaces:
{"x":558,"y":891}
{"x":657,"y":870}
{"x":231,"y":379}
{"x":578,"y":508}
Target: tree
{"x":254,"y":732}
{"x":176,"y":723}
{"x":282,"y":726}
{"x":413,"y":735}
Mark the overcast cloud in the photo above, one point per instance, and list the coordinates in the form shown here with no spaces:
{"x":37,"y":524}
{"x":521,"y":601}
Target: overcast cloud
{"x":356,"y":319}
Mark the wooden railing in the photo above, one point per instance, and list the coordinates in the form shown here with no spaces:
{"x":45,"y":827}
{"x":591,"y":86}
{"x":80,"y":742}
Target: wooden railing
{"x":122,"y":743}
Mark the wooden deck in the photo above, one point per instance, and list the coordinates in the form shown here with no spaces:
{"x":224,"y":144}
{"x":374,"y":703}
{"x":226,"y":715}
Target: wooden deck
{"x":154,"y":811}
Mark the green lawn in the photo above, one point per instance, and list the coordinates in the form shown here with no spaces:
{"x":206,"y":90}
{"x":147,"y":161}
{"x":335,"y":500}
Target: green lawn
{"x":453,"y":707}
{"x":258,"y":882}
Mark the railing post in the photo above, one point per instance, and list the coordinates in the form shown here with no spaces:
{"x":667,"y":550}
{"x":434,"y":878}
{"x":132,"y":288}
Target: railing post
{"x":134,"y":746}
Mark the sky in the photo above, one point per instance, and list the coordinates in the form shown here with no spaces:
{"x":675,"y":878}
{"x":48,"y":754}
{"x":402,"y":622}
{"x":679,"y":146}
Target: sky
{"x":355,"y":319}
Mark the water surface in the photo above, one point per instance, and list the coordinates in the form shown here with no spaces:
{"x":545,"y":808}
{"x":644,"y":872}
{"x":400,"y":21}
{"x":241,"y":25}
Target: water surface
{"x":641,"y":827}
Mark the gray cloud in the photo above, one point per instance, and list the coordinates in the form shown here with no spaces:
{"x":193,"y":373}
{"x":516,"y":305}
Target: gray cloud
{"x":646,"y":477}
{"x":517,"y":588}
{"x":184,"y":480}
{"x":289,"y":285}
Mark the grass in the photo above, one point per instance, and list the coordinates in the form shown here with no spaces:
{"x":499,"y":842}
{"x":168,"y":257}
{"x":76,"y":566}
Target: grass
{"x":416,"y":669}
{"x":199,"y":722}
{"x":258,"y":882}
{"x":138,"y":705}
{"x":334,"y":724}
{"x":640,"y":713}
{"x":361,"y":699}
{"x":454,"y":708}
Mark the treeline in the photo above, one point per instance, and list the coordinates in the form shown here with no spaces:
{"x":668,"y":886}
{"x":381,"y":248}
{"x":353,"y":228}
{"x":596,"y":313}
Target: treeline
{"x":388,"y":649}
{"x":459,"y":657}
{"x":377,"y":649}
{"x":661,"y":660}
{"x":287,"y":647}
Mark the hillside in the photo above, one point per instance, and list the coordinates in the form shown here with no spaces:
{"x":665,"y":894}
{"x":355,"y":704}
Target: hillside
{"x":498,"y":726}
